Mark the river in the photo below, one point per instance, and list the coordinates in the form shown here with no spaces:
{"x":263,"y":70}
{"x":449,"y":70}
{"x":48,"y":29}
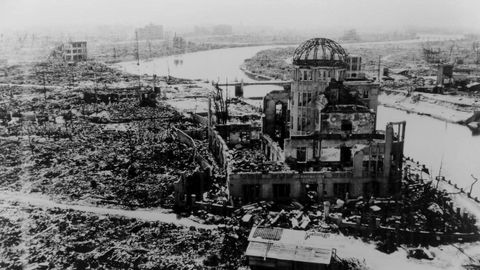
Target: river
{"x":215,"y":65}
{"x":433,"y":142}
{"x":430,"y":141}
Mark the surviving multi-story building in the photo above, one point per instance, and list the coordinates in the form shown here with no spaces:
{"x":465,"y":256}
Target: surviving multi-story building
{"x":354,"y":68}
{"x":74,"y":51}
{"x":324,"y":129}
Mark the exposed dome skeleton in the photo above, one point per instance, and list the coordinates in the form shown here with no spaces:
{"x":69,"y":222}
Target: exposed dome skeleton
{"x":319,"y":52}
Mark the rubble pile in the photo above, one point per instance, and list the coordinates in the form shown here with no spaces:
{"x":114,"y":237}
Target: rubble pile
{"x":251,"y":159}
{"x":14,"y":73}
{"x":293,"y":215}
{"x":420,"y":210}
{"x":190,"y":127}
{"x":430,"y":209}
{"x":125,"y":167}
{"x":61,"y":145}
{"x":108,"y":161}
{"x":242,"y":111}
{"x":80,"y":72}
{"x":129,"y":110}
{"x":63,"y":239}
{"x":10,"y":158}
{"x":10,"y":237}
{"x":349,"y":264}
{"x":423,"y":208}
{"x":19,"y":100}
{"x":58,"y":72}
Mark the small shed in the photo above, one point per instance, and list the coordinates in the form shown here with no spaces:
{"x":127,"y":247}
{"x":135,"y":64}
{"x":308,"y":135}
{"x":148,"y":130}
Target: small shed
{"x":284,"y":249}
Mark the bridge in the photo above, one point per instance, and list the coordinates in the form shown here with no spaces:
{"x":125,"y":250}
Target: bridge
{"x":241,"y":84}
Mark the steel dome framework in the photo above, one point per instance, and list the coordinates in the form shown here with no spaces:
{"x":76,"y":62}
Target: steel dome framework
{"x":320,"y":52}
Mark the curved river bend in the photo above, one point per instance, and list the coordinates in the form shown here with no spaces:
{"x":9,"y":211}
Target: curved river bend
{"x":427,"y":140}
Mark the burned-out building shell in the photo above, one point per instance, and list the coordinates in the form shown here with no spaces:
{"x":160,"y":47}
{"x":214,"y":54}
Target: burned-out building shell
{"x":324,"y":129}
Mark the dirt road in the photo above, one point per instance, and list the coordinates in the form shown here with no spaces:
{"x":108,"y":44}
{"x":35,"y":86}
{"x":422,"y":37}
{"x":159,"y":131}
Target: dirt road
{"x":152,"y":214}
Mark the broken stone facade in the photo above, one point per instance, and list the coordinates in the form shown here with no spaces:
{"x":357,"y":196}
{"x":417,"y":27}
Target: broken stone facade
{"x":276,"y":112}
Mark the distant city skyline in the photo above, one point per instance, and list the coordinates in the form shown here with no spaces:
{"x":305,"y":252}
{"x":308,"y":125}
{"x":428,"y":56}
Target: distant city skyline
{"x":304,"y":15}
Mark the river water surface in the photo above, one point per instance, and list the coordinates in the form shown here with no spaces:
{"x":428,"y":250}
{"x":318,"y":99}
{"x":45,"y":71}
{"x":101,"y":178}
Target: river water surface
{"x":433,"y":142}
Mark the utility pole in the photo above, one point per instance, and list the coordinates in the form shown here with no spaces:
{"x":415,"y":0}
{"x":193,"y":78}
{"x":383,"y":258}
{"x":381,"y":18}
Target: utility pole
{"x":137,"y":53}
{"x":154,"y":81}
{"x":95,"y":89}
{"x":138,"y":63}
{"x":150,"y":49}
{"x":155,"y":95}
{"x":73,"y":75}
{"x":379,"y":69}
{"x":226,"y":100}
{"x":44,"y":88}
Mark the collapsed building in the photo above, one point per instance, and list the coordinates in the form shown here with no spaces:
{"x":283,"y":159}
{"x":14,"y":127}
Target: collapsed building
{"x":318,"y":139}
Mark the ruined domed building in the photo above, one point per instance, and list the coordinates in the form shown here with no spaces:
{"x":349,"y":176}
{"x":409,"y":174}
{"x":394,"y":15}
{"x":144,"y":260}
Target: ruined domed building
{"x":323,"y":109}
{"x":324,"y":130}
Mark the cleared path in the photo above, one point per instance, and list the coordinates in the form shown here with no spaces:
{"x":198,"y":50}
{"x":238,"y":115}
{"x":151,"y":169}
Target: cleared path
{"x":151,"y":214}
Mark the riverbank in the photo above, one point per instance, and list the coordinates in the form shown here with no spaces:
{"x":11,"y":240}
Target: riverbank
{"x":452,"y":109}
{"x":156,"y":48}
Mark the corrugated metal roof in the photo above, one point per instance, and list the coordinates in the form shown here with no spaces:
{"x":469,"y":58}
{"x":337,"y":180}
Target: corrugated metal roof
{"x":290,"y":245}
{"x":289,"y":252}
{"x":268,"y":233}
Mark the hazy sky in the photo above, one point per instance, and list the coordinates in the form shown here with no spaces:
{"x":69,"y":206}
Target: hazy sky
{"x":365,"y":15}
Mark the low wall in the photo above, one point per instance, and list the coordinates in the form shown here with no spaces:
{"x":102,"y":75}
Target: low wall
{"x":218,"y":147}
{"x":412,"y":237}
{"x":183,"y":137}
